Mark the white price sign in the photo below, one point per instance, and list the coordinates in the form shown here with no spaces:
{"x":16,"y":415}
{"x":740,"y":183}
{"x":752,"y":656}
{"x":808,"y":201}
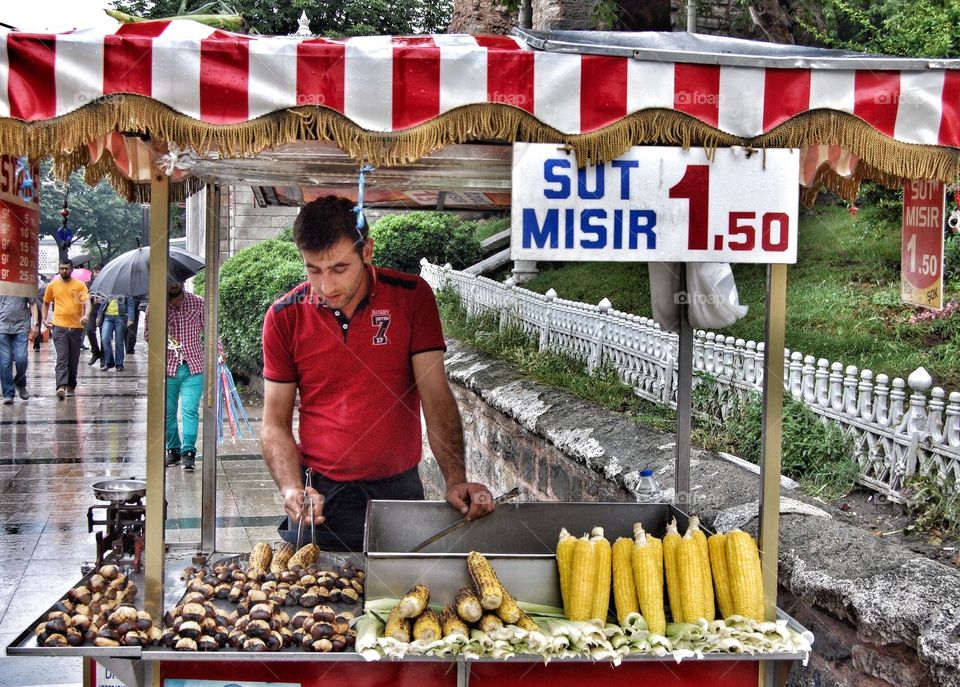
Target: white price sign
{"x":656,"y":204}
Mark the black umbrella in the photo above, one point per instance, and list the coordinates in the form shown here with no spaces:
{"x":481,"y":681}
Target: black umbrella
{"x":128,"y":274}
{"x":81,"y":259}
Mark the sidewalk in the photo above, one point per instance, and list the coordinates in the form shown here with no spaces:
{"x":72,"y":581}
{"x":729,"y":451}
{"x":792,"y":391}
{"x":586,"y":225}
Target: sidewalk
{"x":51,"y":453}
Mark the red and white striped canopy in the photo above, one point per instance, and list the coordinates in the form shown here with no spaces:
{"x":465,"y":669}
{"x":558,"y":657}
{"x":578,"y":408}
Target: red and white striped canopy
{"x":216,"y":86}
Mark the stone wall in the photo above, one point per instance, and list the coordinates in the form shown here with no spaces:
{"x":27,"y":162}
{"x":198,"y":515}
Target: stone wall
{"x":882,"y":616}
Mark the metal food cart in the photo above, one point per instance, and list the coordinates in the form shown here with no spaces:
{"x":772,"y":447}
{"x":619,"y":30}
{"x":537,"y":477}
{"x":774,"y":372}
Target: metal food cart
{"x":161,"y":108}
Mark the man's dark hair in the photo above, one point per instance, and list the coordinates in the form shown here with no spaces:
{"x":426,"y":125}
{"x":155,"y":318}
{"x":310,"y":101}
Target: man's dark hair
{"x":66,"y":261}
{"x":324,"y":221}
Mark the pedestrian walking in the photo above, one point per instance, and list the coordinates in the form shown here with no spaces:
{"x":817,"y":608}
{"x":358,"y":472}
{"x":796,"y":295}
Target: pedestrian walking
{"x":112,"y":316}
{"x":71,"y":310}
{"x":92,"y":326}
{"x":16,"y":315}
{"x":38,"y":310}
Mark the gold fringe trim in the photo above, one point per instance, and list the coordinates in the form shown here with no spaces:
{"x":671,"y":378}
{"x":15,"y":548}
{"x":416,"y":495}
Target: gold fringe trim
{"x":65,"y":138}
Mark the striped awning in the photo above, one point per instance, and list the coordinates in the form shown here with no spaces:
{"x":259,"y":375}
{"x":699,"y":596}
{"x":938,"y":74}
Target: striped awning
{"x":391,"y":100}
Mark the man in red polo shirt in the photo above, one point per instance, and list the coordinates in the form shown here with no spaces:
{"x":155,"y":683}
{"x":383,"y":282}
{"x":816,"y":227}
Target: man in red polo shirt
{"x":364,"y":348}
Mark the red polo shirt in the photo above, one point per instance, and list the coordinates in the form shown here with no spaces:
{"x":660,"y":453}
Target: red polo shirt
{"x":359,"y":406}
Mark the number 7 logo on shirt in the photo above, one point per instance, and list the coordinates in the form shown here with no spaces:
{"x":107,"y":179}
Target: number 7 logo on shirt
{"x":380,"y":320}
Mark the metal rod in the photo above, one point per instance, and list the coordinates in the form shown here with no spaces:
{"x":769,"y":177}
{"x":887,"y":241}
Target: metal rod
{"x":211,"y":300}
{"x":156,"y":394}
{"x":526,"y":14}
{"x":684,"y":398}
{"x":691,"y":16}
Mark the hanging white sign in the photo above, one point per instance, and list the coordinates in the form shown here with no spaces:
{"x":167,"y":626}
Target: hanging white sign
{"x":656,"y":204}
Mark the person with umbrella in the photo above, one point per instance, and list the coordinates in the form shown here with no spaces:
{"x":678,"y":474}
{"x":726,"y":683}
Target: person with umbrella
{"x":71,"y":310}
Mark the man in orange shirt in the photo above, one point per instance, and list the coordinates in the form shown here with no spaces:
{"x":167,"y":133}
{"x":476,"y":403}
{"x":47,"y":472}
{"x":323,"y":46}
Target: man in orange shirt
{"x":71,"y":310}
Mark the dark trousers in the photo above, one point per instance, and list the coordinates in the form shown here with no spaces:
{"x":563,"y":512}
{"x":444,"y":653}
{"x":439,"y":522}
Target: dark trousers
{"x":67,"y":343}
{"x":91,"y":330}
{"x":345,"y":507}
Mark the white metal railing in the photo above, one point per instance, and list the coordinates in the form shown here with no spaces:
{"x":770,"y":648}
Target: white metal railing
{"x":896,"y":432}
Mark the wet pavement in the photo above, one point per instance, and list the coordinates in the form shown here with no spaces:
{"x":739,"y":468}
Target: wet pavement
{"x":52,"y":452}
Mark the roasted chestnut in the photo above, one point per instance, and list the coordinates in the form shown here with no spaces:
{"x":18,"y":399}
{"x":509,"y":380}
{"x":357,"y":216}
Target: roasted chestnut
{"x":322,"y":645}
{"x":185,"y":644}
{"x":254,"y":644}
{"x":321,"y":630}
{"x":189,"y":629}
{"x":207,"y":643}
{"x":258,"y":628}
{"x":104,"y":641}
{"x":55,"y":639}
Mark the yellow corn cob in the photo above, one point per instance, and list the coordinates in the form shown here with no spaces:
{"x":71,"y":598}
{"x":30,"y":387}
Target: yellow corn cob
{"x":744,"y":575}
{"x":721,"y":578}
{"x":670,"y":542}
{"x":468,"y":605}
{"x":693,"y":528}
{"x":583,"y":579}
{"x":624,"y":586}
{"x":427,"y":626}
{"x":600,"y":607}
{"x":647,"y":559}
{"x":397,"y":627}
{"x":307,"y":554}
{"x":485,"y":580}
{"x":260,"y":556}
{"x":508,"y":611}
{"x":451,"y":623}
{"x":489,"y":622}
{"x":525,"y":622}
{"x":565,"y":565}
{"x":281,"y":557}
{"x":414,"y":602}
{"x":690,"y":566}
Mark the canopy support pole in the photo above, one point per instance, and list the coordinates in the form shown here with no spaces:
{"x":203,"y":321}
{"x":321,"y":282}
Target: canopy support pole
{"x":681,"y":492}
{"x":156,"y":394}
{"x":771,"y":440}
{"x":211,"y":301}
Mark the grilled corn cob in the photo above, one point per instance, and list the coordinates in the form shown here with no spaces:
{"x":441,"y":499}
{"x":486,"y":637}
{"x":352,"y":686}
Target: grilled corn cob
{"x":744,"y":575}
{"x":721,"y":578}
{"x":451,"y":623}
{"x":414,"y":602}
{"x":508,"y":611}
{"x":583,"y":579}
{"x":281,"y":557}
{"x":525,"y":622}
{"x":690,"y":566}
{"x":647,"y":558}
{"x":485,"y":579}
{"x":693,"y":529}
{"x":600,"y":605}
{"x":398,"y":627}
{"x":565,"y":546}
{"x":489,"y":623}
{"x":259,"y":561}
{"x":427,"y":626}
{"x":671,"y":541}
{"x":306,"y":555}
{"x":468,"y":605}
{"x":624,"y":586}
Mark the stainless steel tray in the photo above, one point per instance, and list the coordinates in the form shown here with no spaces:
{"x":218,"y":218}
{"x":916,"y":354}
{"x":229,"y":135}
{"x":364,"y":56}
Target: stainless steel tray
{"x":26,"y":642}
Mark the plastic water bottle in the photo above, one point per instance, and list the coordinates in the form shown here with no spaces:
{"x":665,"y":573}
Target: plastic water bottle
{"x":648,"y":490}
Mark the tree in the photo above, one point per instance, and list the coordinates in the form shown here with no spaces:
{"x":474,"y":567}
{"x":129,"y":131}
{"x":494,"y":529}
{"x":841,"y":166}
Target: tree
{"x":327,"y":17}
{"x":101,"y":219}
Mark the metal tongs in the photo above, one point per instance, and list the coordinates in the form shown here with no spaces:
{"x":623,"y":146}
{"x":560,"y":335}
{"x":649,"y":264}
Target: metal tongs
{"x":461,"y":523}
{"x":303,"y":507}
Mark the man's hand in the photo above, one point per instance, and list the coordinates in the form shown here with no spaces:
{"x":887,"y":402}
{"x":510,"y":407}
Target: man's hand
{"x":473,"y":500}
{"x":293,"y":504}
{"x":84,"y":319}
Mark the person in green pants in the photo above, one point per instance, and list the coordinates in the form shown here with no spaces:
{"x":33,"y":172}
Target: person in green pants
{"x":185,"y":325}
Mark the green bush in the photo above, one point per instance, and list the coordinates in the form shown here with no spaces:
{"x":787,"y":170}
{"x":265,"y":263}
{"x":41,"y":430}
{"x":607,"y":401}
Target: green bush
{"x":951,"y":258}
{"x":250,"y":282}
{"x":402,"y":240}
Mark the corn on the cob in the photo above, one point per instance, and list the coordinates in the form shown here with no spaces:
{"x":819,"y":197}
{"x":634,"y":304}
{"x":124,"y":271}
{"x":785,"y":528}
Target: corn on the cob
{"x":600,"y":607}
{"x":583,"y":579}
{"x":414,"y":602}
{"x":670,"y":542}
{"x":508,"y":611}
{"x":744,"y":575}
{"x":693,"y":528}
{"x":468,"y":605}
{"x":398,"y":627}
{"x":307,"y":554}
{"x":451,"y":623}
{"x":690,"y":566}
{"x":565,"y":546}
{"x":485,"y":580}
{"x":525,"y":622}
{"x":427,"y":626}
{"x":489,"y":622}
{"x":721,"y":577}
{"x":624,"y":586}
{"x":647,"y":559}
{"x":281,"y":557}
{"x":260,"y":556}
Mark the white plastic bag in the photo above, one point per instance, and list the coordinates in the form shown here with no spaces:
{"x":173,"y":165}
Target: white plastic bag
{"x":712,"y":295}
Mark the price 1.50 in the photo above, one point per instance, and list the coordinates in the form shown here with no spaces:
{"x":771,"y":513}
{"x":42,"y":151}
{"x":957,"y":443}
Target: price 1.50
{"x":742,"y":230}
{"x":927,"y":265}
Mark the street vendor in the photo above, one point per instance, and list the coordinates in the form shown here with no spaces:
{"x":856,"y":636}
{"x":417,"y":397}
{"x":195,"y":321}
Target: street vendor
{"x":364,"y":347}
